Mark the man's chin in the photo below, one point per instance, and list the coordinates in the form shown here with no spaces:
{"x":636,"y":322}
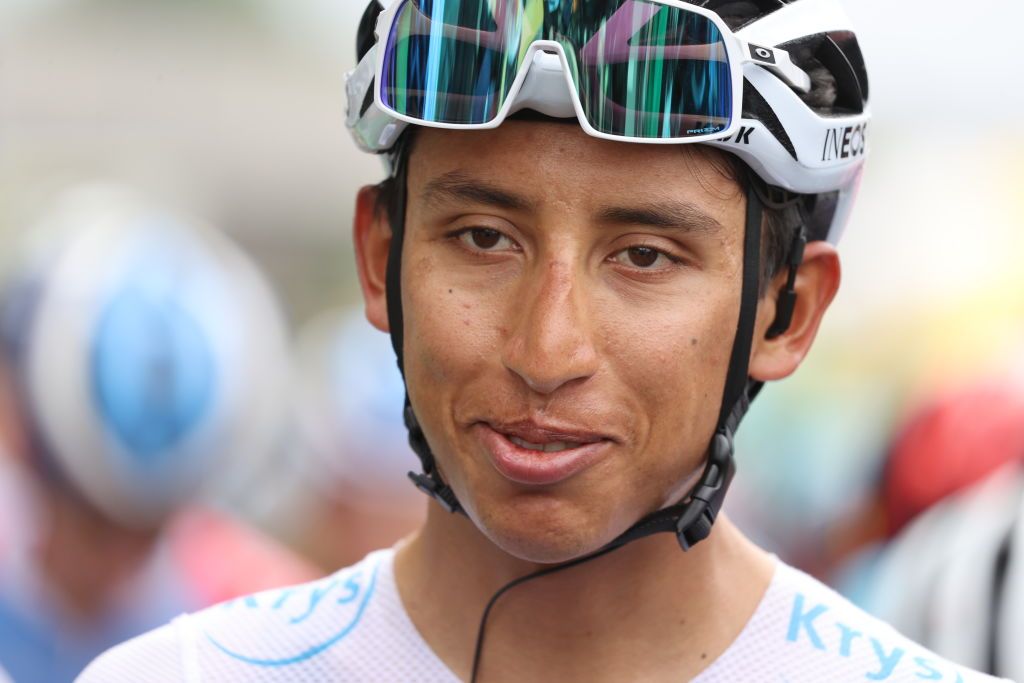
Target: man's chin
{"x":553,"y":536}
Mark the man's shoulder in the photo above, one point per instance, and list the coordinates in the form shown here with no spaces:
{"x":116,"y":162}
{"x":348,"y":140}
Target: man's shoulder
{"x":251,"y":636}
{"x":805,"y":631}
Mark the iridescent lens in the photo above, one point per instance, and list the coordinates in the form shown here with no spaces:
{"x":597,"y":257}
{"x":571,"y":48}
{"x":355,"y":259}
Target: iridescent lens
{"x":646,"y":70}
{"x":454,"y":61}
{"x":641,"y":69}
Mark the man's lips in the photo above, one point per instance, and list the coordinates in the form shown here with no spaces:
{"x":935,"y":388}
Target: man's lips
{"x":537,"y":433}
{"x":514,"y":450}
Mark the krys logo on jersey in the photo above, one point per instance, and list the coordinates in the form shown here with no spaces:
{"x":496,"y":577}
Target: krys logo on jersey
{"x":811,"y":628}
{"x":848,"y":142}
{"x":311,"y":619}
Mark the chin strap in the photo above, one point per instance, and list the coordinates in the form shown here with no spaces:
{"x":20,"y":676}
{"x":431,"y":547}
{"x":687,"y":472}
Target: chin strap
{"x":430,"y":482}
{"x":692,"y":519}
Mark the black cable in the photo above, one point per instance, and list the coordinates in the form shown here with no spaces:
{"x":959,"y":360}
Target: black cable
{"x":478,"y":650}
{"x":706,"y":498}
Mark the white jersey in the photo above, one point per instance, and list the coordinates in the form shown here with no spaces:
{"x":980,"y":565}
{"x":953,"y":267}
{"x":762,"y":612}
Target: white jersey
{"x":352,"y":627}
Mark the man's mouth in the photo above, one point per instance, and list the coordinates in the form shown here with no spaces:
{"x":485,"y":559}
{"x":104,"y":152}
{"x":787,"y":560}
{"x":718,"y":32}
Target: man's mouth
{"x":540,"y":455}
{"x":553,"y":447}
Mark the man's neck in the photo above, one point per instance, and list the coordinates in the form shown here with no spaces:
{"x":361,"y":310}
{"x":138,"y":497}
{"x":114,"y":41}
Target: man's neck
{"x":647,"y":611}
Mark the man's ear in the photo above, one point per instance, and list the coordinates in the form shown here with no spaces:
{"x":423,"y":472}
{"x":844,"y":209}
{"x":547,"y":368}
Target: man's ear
{"x":817,"y":282}
{"x":371,"y":235}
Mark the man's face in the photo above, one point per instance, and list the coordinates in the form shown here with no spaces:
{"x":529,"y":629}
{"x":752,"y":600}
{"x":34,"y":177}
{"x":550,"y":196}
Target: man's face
{"x":570,"y":307}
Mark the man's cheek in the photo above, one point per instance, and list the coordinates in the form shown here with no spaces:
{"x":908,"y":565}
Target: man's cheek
{"x":448,"y":332}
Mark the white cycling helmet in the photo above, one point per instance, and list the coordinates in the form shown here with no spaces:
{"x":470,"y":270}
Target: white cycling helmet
{"x":805,"y":141}
{"x":148,"y":354}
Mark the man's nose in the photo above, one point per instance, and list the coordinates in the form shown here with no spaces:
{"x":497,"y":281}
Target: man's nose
{"x":550,"y":343}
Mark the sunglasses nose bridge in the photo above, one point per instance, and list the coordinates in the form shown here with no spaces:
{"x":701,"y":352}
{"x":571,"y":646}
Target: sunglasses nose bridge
{"x":546,"y":88}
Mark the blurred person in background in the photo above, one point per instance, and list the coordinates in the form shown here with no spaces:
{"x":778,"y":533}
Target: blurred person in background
{"x":937,"y":551}
{"x":142,"y":356}
{"x":354,"y":446}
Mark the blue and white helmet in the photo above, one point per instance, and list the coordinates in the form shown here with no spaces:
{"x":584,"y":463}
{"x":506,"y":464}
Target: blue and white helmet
{"x":148,"y":351}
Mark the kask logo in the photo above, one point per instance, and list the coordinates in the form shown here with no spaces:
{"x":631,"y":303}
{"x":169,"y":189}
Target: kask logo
{"x":845,"y":143}
{"x":742,"y":137}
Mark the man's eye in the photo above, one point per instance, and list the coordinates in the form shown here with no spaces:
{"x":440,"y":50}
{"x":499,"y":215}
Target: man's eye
{"x":485,"y":239}
{"x":645,"y":258}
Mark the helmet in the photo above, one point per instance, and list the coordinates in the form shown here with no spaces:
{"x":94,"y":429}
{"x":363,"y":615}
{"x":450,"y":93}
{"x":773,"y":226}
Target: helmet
{"x":348,"y":398}
{"x":146,"y":352}
{"x":806,"y":143}
{"x":802,"y":135}
{"x":950,"y":444}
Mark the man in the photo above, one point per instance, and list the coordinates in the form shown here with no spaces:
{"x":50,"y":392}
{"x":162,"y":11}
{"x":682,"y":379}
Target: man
{"x":563,"y":300}
{"x":129,"y":380}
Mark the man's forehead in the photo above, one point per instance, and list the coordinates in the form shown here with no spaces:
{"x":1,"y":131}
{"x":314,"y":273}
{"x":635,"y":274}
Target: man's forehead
{"x":462,"y":188}
{"x":542,"y":157}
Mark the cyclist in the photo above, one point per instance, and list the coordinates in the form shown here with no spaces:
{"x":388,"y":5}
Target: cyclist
{"x":135,"y":352}
{"x":582,"y":319}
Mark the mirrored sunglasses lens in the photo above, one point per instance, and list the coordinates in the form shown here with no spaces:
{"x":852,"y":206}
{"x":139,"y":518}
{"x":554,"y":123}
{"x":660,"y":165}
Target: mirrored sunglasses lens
{"x":647,"y":70}
{"x":453,"y":61}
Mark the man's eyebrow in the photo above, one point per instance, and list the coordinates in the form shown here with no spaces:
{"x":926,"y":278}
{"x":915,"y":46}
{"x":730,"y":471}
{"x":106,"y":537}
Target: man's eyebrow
{"x":669,"y":215}
{"x":459,"y":186}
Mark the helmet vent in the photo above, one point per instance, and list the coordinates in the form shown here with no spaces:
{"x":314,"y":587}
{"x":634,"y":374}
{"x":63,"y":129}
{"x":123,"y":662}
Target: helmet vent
{"x":738,"y":13}
{"x":366,"y":36}
{"x":839,"y":81}
{"x":755,"y":107}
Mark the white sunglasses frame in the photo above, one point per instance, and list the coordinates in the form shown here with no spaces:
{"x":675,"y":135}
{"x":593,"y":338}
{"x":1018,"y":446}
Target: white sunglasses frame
{"x":738,"y":52}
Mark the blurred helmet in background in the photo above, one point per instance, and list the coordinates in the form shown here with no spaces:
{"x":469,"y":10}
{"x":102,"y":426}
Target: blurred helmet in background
{"x":147,"y":353}
{"x":955,"y":441}
{"x":349,"y":397}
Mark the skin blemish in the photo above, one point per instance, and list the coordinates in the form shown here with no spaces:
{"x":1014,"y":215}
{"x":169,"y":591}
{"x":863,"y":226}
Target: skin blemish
{"x":694,"y":342}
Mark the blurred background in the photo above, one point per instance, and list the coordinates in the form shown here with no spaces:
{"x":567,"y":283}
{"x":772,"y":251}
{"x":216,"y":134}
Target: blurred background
{"x":230,"y":113}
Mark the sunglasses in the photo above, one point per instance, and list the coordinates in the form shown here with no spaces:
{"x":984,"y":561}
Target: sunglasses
{"x":636,"y":70}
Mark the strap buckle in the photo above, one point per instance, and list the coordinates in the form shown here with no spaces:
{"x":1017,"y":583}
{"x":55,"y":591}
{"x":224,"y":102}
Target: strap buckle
{"x":706,"y":500}
{"x":437,"y":490}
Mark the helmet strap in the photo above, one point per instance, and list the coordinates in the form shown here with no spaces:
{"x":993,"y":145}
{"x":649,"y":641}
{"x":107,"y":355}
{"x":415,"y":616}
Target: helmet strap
{"x":429,"y":481}
{"x":690,"y":520}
